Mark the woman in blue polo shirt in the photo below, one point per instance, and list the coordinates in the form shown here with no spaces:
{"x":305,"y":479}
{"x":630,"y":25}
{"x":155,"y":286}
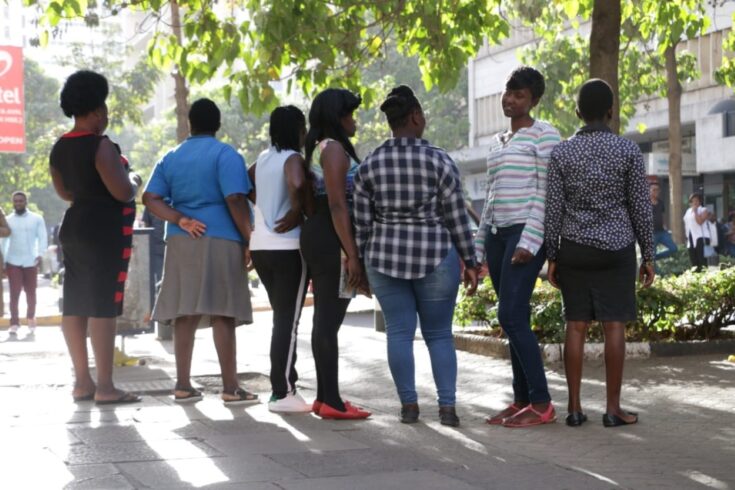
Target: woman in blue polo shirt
{"x":207,"y":237}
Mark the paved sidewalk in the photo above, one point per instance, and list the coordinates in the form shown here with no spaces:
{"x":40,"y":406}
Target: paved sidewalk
{"x":686,"y":438}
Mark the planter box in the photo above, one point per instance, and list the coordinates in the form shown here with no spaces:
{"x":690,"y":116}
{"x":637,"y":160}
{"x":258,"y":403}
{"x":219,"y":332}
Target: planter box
{"x":497,"y":347}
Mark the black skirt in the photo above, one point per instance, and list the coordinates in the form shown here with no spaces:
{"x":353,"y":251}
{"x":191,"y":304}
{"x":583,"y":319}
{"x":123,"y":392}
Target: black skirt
{"x":97,"y":239}
{"x":597,"y":284}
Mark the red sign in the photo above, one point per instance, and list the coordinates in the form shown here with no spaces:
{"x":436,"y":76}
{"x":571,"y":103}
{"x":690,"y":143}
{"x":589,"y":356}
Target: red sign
{"x":12,"y":111}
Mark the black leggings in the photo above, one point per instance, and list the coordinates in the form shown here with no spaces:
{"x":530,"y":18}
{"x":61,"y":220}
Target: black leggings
{"x":320,"y":248}
{"x":696,"y":253}
{"x":284,"y":275}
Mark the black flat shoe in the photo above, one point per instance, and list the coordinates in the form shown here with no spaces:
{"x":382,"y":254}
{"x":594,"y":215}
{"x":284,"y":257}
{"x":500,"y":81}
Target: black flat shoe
{"x":575,"y":419}
{"x":612,"y":420}
{"x":409,"y":413}
{"x":448,"y":416}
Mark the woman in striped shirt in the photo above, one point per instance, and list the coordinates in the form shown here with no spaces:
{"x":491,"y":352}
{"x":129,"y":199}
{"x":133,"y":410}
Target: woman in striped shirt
{"x":511,"y":238}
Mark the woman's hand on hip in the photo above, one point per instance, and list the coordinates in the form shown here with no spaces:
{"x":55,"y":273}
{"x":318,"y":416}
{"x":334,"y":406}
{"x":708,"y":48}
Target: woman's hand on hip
{"x":289,"y":221}
{"x":551,"y":274}
{"x":193,"y":227}
{"x":521,"y":256}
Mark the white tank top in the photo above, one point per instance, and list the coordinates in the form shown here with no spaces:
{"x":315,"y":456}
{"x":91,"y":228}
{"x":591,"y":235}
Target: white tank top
{"x":272,"y":202}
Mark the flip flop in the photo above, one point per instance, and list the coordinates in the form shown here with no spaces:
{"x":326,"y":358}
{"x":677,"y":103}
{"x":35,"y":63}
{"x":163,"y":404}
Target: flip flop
{"x":547,"y":417}
{"x":495,"y":420}
{"x":123,"y":399}
{"x":84,"y":398}
{"x":192,"y":395}
{"x":612,"y":420}
{"x":244,"y":397}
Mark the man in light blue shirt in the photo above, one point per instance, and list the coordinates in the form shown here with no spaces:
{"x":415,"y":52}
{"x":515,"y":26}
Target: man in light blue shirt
{"x":23,"y":250}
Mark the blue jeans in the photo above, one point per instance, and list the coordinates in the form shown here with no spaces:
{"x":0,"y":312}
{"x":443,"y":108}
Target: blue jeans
{"x":433,"y":298}
{"x":514,"y":285}
{"x":663,"y":238}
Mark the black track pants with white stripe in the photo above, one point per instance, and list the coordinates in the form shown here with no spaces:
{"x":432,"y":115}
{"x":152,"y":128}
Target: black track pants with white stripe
{"x":284,"y":275}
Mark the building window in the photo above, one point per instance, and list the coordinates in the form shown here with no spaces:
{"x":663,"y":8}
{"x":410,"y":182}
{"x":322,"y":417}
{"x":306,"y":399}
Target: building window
{"x":729,"y":123}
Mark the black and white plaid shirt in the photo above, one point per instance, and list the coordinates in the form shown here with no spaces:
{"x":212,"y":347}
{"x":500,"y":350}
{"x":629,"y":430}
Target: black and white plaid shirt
{"x":409,"y":209}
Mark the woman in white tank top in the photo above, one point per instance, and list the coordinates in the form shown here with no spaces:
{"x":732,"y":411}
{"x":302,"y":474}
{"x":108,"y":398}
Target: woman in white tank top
{"x":280,"y":196}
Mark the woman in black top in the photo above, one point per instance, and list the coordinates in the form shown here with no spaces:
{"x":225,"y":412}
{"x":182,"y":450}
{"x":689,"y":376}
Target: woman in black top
{"x":597,"y":207}
{"x":96,"y":233}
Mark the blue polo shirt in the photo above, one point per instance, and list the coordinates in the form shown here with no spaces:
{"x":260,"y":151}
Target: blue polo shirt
{"x":197,"y":176}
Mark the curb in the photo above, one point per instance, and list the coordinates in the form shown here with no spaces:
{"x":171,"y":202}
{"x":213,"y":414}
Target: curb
{"x":495,"y":347}
{"x":41,"y":321}
{"x":55,"y":320}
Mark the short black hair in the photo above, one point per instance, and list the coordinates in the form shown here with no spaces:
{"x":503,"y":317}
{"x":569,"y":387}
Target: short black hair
{"x":697,"y":195}
{"x":83,"y":92}
{"x":399,"y":104}
{"x":526,"y":77}
{"x":595,"y":99}
{"x":204,"y":116}
{"x":286,"y":124}
{"x":19,"y":193}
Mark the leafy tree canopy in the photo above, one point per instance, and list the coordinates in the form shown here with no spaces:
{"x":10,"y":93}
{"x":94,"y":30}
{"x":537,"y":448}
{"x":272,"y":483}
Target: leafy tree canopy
{"x":309,"y":44}
{"x":649,"y":27}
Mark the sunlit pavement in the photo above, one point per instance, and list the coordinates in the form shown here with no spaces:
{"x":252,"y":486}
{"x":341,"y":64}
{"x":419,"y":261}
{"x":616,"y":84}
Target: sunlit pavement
{"x":686,"y":437}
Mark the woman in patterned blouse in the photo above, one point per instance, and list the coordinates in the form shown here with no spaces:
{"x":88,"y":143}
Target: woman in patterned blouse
{"x":597,"y":207}
{"x":511,"y":236}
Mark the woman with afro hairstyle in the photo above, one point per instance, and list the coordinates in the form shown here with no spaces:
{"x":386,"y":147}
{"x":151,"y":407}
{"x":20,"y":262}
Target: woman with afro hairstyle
{"x":88,"y":170}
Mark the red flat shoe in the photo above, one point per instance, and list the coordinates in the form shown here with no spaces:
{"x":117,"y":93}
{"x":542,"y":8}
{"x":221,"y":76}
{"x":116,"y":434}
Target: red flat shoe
{"x":547,"y":417}
{"x":350,"y":413}
{"x":495,"y":420}
{"x":316,"y":406}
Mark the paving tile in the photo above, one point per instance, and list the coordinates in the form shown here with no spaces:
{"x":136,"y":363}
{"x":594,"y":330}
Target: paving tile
{"x":425,"y":480}
{"x":140,"y":432}
{"x":357,"y":462}
{"x":205,"y":472}
{"x":138,"y":451}
{"x":282,"y":442}
{"x":97,"y":476}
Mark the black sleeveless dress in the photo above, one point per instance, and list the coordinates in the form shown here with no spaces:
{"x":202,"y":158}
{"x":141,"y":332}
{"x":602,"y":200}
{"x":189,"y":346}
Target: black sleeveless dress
{"x":96,"y":234}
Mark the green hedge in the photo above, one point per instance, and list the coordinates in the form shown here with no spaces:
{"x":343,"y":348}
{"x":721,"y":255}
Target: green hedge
{"x":679,"y":263}
{"x":685,"y":307}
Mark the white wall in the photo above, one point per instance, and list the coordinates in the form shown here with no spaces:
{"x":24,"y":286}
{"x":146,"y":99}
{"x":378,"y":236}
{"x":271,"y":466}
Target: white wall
{"x":714,"y":152}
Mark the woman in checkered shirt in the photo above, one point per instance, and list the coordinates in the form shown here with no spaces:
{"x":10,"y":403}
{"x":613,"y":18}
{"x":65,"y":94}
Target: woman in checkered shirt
{"x":412,"y":230}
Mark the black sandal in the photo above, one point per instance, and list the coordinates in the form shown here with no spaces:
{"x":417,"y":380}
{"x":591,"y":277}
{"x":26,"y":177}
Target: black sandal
{"x":612,"y":420}
{"x":192,"y":395}
{"x":244,"y":397}
{"x":123,"y":399}
{"x":575,"y":419}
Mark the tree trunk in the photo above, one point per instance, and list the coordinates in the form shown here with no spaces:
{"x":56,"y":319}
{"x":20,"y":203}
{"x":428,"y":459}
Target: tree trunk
{"x":605,"y":49}
{"x":181,"y":92}
{"x":674,"y":91}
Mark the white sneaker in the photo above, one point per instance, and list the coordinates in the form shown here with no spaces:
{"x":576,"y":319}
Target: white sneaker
{"x":32,"y":326}
{"x":13,"y":330}
{"x":293,"y":403}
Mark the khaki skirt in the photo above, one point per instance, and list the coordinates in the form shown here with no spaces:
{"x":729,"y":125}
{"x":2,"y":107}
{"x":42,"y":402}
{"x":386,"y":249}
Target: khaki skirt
{"x":203,"y":276}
